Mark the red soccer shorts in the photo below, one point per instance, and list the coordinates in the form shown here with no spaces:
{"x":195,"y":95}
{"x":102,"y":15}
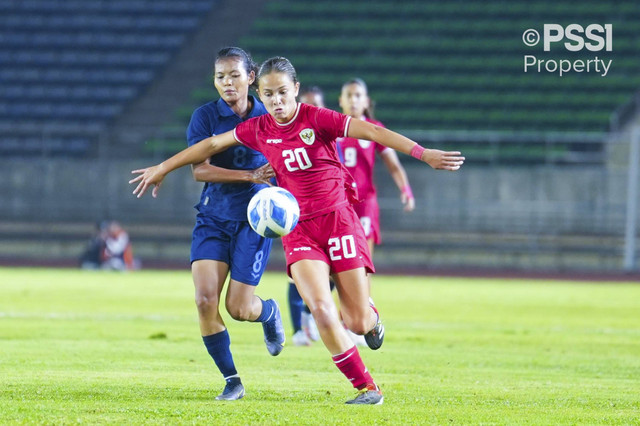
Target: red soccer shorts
{"x":369,"y":214}
{"x":336,"y":238}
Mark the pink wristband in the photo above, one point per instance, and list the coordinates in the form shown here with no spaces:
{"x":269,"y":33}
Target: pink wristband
{"x":416,"y":151}
{"x":407,"y":191}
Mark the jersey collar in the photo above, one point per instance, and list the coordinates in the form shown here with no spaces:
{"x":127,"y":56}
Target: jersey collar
{"x":290,"y":121}
{"x":225,"y":110}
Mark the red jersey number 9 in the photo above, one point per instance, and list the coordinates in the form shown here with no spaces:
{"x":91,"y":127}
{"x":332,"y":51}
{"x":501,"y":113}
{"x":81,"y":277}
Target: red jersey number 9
{"x":296,"y":159}
{"x":350,"y":156}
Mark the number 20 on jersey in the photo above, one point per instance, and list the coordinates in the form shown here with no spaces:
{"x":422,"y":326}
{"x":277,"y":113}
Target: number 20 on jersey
{"x":296,"y":159}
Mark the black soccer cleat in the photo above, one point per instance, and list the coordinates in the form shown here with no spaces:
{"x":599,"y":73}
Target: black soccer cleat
{"x":375,"y":337}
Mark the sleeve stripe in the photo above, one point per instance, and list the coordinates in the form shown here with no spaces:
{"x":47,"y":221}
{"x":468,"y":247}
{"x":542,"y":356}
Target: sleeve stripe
{"x":235,"y":135}
{"x":346,"y":126}
{"x":386,"y":150}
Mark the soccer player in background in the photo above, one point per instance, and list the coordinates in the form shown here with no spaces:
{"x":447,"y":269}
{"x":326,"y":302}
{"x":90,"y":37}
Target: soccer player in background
{"x":360,"y":156}
{"x":298,"y":140}
{"x":312,"y":95}
{"x":223,"y":243}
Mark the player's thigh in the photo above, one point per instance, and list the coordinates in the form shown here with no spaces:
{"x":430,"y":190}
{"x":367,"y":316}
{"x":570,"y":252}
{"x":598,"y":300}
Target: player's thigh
{"x":347,"y":247}
{"x":208,"y":278}
{"x":312,"y":281}
{"x":239,"y":294}
{"x":353,"y":293}
{"x":211,"y":239}
{"x":249,"y":255}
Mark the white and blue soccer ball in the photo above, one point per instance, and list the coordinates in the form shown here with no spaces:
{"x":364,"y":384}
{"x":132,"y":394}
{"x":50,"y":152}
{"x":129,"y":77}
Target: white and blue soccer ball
{"x":273,"y":212}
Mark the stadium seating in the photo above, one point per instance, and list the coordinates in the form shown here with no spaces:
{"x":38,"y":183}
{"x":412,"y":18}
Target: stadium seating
{"x":450,"y":65}
{"x":453,"y":65}
{"x":67,"y":63}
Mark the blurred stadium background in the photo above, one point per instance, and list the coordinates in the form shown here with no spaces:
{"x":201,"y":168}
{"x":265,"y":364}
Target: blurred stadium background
{"x":91,"y":89}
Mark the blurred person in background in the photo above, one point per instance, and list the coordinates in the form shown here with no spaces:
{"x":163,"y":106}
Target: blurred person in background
{"x":359,"y":156}
{"x":223,"y":243}
{"x":312,"y":95}
{"x":110,"y":248}
{"x":92,"y":257}
{"x":118,"y":251}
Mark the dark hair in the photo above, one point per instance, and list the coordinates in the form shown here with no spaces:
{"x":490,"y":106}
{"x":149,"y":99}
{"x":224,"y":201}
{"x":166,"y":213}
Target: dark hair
{"x":278,"y":64}
{"x":236,"y":52}
{"x":313,"y":90}
{"x":368,"y":112}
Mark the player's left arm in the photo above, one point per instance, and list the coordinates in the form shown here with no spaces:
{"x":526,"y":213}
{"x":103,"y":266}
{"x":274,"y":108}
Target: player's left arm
{"x":399,"y":176}
{"x":444,"y":160}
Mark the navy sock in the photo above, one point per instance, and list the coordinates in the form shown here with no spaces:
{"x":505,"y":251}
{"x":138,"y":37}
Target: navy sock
{"x":296,"y":306}
{"x":219,"y":347}
{"x":268,"y":310}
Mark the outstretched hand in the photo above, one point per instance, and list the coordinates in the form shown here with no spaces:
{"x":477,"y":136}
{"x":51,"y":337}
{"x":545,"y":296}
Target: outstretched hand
{"x":443,"y":160}
{"x":148,"y":176}
{"x":263,"y":174}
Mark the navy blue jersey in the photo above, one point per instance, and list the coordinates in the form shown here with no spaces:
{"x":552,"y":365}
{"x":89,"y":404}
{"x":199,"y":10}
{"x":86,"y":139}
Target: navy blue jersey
{"x":226,"y":200}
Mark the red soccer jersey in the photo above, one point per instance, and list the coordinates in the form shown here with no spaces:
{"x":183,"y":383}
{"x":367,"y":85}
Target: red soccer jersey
{"x":303,"y":155}
{"x":359,"y":158}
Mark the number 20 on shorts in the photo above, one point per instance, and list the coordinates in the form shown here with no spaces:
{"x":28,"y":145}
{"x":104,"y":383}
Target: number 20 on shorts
{"x":343,"y":247}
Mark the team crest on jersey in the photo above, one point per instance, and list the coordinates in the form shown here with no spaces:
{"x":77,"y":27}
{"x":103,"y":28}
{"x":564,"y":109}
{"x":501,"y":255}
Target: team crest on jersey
{"x":364,"y":144}
{"x":308,"y":136}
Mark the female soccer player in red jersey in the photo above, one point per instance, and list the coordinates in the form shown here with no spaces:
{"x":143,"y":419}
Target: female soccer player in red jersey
{"x":359,"y":157}
{"x":298,"y":141}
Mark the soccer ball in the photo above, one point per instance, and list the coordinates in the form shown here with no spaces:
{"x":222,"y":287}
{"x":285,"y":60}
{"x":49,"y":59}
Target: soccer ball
{"x":273,"y":212}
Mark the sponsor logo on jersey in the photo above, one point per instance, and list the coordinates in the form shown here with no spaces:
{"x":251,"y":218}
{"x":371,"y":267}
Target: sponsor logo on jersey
{"x":302,"y":249}
{"x":308,"y":136}
{"x":274,"y":140}
{"x":364,"y":144}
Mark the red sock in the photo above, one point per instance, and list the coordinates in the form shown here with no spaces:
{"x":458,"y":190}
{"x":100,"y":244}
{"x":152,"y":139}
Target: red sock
{"x":353,"y":368}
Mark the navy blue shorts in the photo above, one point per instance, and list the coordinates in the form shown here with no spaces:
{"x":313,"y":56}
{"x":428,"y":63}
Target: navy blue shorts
{"x":234,"y":243}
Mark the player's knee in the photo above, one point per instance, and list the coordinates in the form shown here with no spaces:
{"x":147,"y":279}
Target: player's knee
{"x":359,"y":322}
{"x":358,"y":326}
{"x":206,"y":302}
{"x":239,"y":312}
{"x":323,"y":314}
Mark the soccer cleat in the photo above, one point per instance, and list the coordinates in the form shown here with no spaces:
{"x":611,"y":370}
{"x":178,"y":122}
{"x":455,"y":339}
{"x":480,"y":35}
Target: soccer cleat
{"x":369,"y":395}
{"x":375,"y":337}
{"x":274,"y":331}
{"x":300,"y":338}
{"x":233,"y":390}
{"x":309,"y":326}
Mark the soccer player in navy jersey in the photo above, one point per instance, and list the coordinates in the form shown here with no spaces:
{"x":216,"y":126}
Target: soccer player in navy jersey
{"x":223,"y":243}
{"x":298,"y":140}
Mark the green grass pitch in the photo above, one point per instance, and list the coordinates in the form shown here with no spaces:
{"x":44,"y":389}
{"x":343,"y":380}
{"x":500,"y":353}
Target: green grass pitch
{"x":99,"y":347}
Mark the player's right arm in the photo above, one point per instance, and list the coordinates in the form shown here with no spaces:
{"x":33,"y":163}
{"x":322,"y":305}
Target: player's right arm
{"x":195,"y":154}
{"x":205,"y":172}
